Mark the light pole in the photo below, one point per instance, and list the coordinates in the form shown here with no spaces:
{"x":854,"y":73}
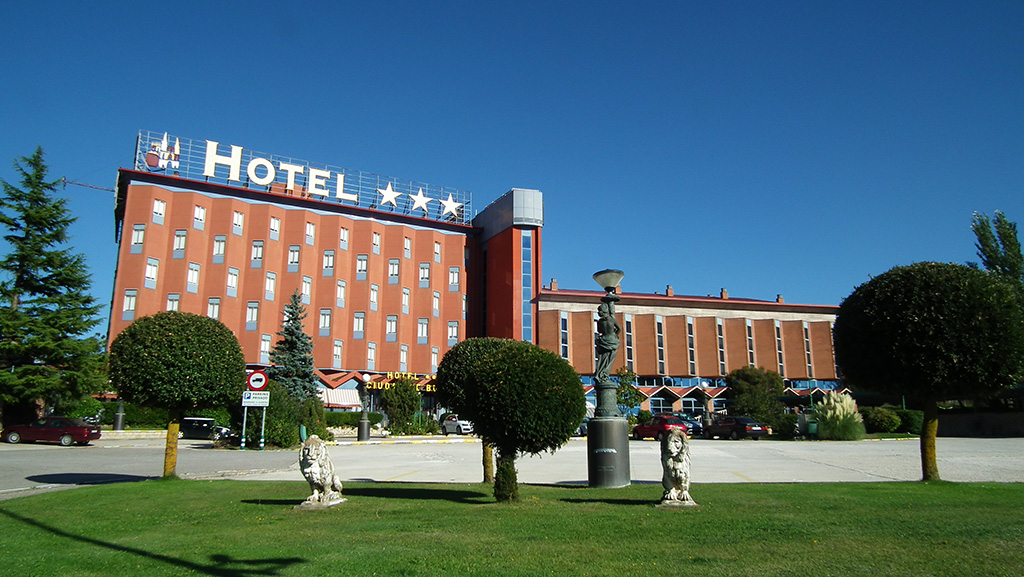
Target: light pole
{"x":364,"y":399}
{"x":608,"y":431}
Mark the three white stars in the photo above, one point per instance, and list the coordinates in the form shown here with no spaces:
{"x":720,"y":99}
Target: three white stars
{"x":419,"y":200}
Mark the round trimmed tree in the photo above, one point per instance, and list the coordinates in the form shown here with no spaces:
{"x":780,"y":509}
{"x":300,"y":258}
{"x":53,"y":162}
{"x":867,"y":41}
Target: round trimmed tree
{"x":178,"y":361}
{"x":521,"y":399}
{"x":931,"y":331}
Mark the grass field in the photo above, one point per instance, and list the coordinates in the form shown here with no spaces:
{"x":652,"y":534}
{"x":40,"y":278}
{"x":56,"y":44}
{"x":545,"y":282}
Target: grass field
{"x":232,"y":528}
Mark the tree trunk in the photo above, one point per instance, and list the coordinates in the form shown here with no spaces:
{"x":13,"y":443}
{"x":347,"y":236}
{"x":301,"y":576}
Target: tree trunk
{"x":929,"y":430}
{"x":506,"y":485}
{"x":488,"y":459}
{"x":171,"y":447}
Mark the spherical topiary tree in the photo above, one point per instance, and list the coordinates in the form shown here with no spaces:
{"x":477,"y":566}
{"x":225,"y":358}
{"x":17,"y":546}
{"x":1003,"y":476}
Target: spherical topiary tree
{"x":178,"y":361}
{"x":520,"y":398}
{"x":931,"y":331}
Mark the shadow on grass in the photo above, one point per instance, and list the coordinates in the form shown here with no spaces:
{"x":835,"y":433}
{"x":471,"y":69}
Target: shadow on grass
{"x":436,"y":492}
{"x":220,"y":565}
{"x":86,"y":478}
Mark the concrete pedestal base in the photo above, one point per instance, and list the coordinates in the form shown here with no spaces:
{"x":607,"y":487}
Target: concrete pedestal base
{"x":608,"y":452}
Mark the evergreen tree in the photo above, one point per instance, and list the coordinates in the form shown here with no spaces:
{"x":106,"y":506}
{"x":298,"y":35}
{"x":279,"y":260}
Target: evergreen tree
{"x":46,"y":310}
{"x":999,"y":249}
{"x":292,"y":356}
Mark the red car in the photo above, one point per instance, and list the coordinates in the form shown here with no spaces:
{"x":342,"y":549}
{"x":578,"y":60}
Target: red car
{"x":658,"y":426}
{"x":63,"y":430}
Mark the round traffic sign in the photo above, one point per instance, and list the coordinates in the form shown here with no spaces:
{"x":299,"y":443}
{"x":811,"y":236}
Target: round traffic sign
{"x":257,"y":380}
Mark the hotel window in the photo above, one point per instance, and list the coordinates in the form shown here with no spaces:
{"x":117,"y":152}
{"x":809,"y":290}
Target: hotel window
{"x":172,"y":301}
{"x":422,"y":331}
{"x":270,"y":286}
{"x":199,"y":217}
{"x":750,"y":342}
{"x":436,"y":304}
{"x":374,"y":292}
{"x":371,"y":356}
{"x":424,"y":275}
{"x":306,"y":289}
{"x":807,"y":350}
{"x":293,"y":258}
{"x":362,"y":263}
{"x":220,"y":243}
{"x":434,"y":354}
{"x":343,"y":239}
{"x":393,"y":271}
{"x":138,"y":236}
{"x":159,"y":210}
{"x":721,"y":346}
{"x":237,"y":221}
{"x":252,"y":315}
{"x":179,"y":244}
{"x":358,"y":325}
{"x":403,"y":358}
{"x":659,"y":329}
{"x":453,"y":279}
{"x":232,"y":288}
{"x":691,"y":346}
{"x":336,"y":354}
{"x":453,"y":333}
{"x":465,"y":306}
{"x":192,"y":280}
{"x":257,"y":254}
{"x":527,"y":274}
{"x":437,"y":252}
{"x":325,"y":322}
{"x":213,"y":308}
{"x":265,"y":349}
{"x":275,"y":228}
{"x":391,"y":329}
{"x":128,"y":309}
{"x":329,"y":262}
{"x":563,"y":334}
{"x":778,"y":349}
{"x":406,"y":295}
{"x":376,"y":243}
{"x":152,"y":269}
{"x":629,"y":341}
{"x":341,"y":294}
{"x":310,"y":233}
{"x":407,"y":246}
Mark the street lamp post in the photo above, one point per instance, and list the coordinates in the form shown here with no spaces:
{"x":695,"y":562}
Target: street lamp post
{"x":608,"y":431}
{"x":364,"y":398}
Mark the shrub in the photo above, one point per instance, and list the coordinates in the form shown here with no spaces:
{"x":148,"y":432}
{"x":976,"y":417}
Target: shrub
{"x":879,"y":420}
{"x":644,"y":417}
{"x":350,"y":419}
{"x":282,"y":423}
{"x":401,"y":401}
{"x":910,"y":421}
{"x":838,"y":419}
{"x":311,"y":414}
{"x":785,"y":426}
{"x":506,"y":489}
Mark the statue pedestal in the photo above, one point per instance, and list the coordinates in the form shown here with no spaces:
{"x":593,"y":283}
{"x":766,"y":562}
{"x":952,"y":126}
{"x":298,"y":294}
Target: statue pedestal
{"x":608,"y":452}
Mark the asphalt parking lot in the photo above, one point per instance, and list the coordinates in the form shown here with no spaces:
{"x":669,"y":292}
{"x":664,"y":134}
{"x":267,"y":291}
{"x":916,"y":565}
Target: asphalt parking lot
{"x":29,"y":468}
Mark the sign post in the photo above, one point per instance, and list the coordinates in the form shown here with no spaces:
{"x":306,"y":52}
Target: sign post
{"x":256,"y":396}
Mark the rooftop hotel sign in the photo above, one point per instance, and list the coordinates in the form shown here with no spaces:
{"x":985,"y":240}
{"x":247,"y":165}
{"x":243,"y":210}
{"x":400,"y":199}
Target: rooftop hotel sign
{"x":210,"y":161}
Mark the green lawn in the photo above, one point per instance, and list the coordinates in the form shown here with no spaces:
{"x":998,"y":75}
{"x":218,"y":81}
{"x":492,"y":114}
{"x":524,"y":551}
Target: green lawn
{"x":232,"y":528}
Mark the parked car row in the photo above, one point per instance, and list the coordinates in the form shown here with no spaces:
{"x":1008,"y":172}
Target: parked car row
{"x":721,"y":426}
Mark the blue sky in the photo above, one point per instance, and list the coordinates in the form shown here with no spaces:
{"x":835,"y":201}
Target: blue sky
{"x":793,"y":148}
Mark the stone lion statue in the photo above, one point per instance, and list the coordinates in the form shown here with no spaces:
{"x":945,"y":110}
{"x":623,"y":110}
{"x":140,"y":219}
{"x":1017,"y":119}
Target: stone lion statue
{"x":316,"y":466}
{"x":675,"y":464}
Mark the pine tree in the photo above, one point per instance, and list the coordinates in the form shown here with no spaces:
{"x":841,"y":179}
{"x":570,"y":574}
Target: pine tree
{"x":998,"y":248}
{"x":46,"y":311}
{"x":292,"y":355}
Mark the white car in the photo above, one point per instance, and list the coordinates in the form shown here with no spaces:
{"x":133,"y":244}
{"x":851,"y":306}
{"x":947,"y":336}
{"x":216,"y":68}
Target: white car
{"x":453,"y":424}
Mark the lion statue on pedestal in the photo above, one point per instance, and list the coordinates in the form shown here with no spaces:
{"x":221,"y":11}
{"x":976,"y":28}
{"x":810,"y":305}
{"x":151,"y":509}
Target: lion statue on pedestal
{"x":316,"y":466}
{"x":675,"y":464}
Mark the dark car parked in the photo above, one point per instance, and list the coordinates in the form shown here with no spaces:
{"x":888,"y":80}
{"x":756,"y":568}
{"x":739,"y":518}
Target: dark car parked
{"x":734,"y":428}
{"x":201,"y":428}
{"x":658,"y":426}
{"x":63,"y":430}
